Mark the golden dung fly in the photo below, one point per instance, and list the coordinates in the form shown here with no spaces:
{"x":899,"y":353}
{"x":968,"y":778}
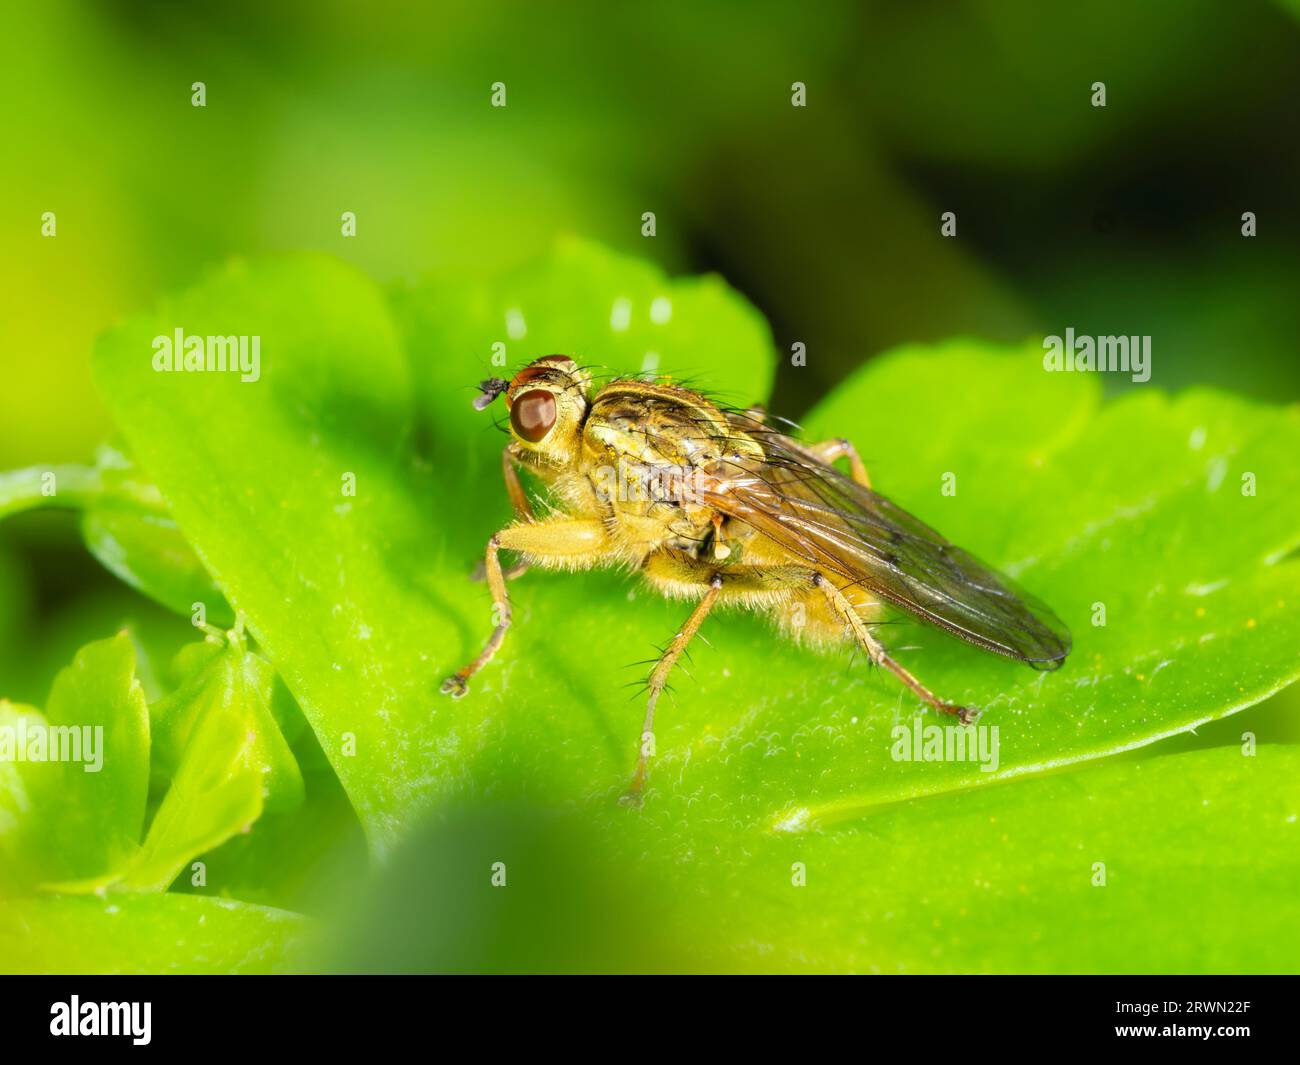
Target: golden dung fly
{"x":717,"y":505}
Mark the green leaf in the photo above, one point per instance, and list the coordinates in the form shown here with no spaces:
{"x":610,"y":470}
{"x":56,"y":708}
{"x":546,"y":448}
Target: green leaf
{"x":615,"y":314}
{"x":125,"y":525}
{"x":76,"y":826}
{"x":230,"y":762}
{"x":130,"y":934}
{"x":1005,"y":879}
{"x":305,"y":860}
{"x":1139,"y":508}
{"x":1109,"y":869}
{"x":130,"y":530}
{"x":226,"y":700}
{"x":38,"y":486}
{"x":15,"y":797}
{"x":363,"y":603}
{"x":355,"y":598}
{"x":329,"y":580}
{"x":79,"y":821}
{"x":200,"y":813}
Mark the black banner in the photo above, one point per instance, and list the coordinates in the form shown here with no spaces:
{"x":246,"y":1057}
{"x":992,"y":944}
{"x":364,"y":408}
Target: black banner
{"x":1036,"y":1013}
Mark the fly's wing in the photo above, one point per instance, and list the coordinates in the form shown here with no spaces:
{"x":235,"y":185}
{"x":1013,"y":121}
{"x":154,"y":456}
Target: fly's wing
{"x":817,"y":513}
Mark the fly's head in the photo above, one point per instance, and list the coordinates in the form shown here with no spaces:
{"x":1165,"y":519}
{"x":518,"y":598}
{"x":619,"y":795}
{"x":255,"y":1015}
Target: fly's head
{"x":547,"y":401}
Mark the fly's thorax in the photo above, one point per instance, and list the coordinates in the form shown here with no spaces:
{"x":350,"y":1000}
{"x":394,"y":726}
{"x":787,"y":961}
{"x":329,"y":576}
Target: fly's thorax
{"x":649,"y":442}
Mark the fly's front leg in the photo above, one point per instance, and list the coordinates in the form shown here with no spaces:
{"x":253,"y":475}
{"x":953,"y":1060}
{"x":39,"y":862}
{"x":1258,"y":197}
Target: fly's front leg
{"x":573,"y":542}
{"x":514,"y":488}
{"x":523,"y":511}
{"x":844,"y":609}
{"x":830,"y":450}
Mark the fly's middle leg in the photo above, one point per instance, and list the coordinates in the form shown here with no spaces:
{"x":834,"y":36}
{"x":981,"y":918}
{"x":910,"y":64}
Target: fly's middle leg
{"x":844,"y":609}
{"x":676,"y":573}
{"x":658,"y":678}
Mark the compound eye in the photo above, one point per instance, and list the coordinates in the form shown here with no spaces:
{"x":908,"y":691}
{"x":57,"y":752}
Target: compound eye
{"x":533,"y":414}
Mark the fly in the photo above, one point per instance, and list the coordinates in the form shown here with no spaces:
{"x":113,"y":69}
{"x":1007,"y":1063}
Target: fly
{"x":716,"y":505}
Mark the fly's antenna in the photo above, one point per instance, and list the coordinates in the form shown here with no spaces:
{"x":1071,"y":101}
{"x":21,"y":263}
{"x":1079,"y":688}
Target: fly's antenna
{"x":490,"y":389}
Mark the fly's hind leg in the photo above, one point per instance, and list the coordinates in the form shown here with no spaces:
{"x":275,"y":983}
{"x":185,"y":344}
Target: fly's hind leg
{"x":826,"y":450}
{"x":844,"y":609}
{"x":830,"y":450}
{"x":573,"y":543}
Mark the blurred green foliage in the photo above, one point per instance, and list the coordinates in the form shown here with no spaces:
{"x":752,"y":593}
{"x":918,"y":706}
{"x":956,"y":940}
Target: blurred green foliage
{"x":827,"y":215}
